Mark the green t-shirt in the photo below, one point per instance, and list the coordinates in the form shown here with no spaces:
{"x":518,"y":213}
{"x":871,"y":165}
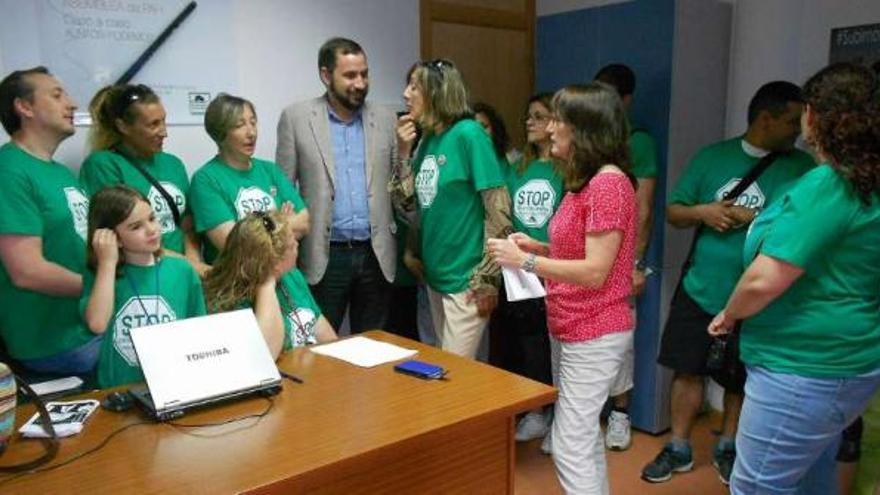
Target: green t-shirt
{"x":534,"y":195}
{"x":715,"y":170}
{"x":643,"y":154}
{"x":145,"y":295}
{"x":41,"y":199}
{"x":220,"y":194}
{"x":827,"y":324}
{"x":301,"y":312}
{"x":108,"y":168}
{"x":451,"y":169}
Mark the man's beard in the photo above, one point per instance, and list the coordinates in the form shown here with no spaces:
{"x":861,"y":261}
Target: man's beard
{"x":345,"y":99}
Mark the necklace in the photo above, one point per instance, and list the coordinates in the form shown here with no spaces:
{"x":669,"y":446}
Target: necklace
{"x":137,"y":294}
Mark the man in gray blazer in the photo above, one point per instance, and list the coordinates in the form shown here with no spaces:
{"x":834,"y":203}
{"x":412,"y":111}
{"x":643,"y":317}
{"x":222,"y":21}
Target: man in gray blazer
{"x":339,"y":149}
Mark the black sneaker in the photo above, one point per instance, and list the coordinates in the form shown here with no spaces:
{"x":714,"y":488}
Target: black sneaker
{"x":723,"y":462}
{"x":668,"y":461}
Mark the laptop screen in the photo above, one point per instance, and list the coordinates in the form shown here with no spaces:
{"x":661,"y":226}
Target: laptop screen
{"x":191,"y":360}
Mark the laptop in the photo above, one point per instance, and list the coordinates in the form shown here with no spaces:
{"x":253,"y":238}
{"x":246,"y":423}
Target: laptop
{"x":201,"y":361}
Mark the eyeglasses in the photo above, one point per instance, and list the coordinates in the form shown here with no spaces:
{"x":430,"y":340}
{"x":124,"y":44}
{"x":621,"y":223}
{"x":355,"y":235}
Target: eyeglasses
{"x":268,"y":223}
{"x":537,"y":117}
{"x":130,"y":95}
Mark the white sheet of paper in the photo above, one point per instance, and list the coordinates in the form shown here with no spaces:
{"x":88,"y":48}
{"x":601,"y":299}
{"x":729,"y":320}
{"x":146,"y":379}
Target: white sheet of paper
{"x":363,"y":351}
{"x":520,"y":284}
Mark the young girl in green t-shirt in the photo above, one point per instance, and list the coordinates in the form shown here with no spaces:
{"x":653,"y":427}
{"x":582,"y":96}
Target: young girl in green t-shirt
{"x":129,"y":282}
{"x":257,"y":269}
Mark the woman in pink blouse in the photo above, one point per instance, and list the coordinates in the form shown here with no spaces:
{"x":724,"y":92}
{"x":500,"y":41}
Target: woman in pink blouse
{"x":588,"y":268}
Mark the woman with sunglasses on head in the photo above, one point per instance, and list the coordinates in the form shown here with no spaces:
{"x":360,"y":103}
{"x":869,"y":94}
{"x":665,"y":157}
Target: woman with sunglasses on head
{"x":809,"y":300}
{"x":234,"y":184}
{"x":458,"y":186}
{"x":127,"y":136}
{"x":256,"y":270}
{"x":520,"y":327}
{"x":587,"y":266}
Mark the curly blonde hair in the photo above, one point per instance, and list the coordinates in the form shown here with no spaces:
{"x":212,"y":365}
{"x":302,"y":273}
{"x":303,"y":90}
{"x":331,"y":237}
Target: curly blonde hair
{"x":254,"y":247}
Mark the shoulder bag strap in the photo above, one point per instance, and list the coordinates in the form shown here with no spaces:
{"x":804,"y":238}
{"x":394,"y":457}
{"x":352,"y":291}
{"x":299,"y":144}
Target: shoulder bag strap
{"x":175,"y":212}
{"x":753,"y":174}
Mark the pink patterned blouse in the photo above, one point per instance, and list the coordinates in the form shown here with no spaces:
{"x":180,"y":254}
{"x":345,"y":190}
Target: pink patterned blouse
{"x":576,"y":313}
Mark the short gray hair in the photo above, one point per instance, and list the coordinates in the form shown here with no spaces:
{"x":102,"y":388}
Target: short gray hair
{"x":223,"y":113}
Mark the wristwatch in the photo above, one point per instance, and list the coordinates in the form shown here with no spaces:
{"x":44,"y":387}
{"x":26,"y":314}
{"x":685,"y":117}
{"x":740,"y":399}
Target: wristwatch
{"x":529,"y":264}
{"x":641,"y":265}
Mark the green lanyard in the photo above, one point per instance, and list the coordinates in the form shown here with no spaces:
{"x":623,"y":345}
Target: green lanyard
{"x":291,"y":308}
{"x":137,"y":294}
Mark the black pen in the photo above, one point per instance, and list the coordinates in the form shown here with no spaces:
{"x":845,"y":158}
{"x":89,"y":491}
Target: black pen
{"x":290,"y":377}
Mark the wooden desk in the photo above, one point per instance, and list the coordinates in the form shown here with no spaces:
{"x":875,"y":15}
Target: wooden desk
{"x":346,"y":430}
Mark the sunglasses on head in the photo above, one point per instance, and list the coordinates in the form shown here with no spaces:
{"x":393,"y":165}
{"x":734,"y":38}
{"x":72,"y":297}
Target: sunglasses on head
{"x":268,"y":223}
{"x":131,"y":95}
{"x":438,"y":64}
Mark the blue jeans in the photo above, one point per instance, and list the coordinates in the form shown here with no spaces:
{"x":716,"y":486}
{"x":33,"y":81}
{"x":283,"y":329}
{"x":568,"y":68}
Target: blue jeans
{"x":789,"y":430}
{"x":77,"y":361}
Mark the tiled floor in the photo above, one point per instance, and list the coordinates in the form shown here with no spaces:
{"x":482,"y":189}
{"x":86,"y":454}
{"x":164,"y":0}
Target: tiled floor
{"x":535,"y":474}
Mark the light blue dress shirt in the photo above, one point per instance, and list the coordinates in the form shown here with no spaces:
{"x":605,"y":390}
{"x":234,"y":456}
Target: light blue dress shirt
{"x":351,"y":212}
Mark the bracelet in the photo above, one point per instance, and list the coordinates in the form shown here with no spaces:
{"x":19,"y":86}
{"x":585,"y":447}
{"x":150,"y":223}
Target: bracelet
{"x":529,"y":264}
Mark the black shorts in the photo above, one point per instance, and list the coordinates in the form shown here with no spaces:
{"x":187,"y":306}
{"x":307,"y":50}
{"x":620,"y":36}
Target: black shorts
{"x":686,"y":342}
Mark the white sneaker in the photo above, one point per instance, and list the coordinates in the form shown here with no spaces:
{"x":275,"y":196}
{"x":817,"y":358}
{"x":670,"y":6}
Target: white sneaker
{"x":547,"y":444}
{"x":532,"y":426}
{"x":617,"y":435}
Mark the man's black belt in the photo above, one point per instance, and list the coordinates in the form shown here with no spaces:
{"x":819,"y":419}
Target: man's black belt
{"x":352,"y":243}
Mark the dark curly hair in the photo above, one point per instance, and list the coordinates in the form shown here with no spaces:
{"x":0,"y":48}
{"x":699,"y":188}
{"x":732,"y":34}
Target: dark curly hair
{"x":500,"y":138}
{"x":843,"y":99}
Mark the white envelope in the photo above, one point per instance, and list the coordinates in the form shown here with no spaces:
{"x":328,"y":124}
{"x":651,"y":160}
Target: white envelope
{"x":521,"y":284}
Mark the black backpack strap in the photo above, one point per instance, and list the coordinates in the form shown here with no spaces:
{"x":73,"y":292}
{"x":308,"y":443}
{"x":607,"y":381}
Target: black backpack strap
{"x":175,"y":212}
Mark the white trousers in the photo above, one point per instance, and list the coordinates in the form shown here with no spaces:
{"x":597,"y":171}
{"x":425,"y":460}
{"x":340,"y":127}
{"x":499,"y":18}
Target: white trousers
{"x":583,"y":372}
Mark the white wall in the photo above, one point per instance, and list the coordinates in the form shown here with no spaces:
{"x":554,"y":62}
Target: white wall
{"x":697,"y":105}
{"x":276,"y":50}
{"x":696,"y":118}
{"x":784,"y":39}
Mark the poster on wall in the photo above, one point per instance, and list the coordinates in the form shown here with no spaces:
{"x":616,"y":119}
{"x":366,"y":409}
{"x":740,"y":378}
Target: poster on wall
{"x":89,"y":44}
{"x":856,"y":44}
